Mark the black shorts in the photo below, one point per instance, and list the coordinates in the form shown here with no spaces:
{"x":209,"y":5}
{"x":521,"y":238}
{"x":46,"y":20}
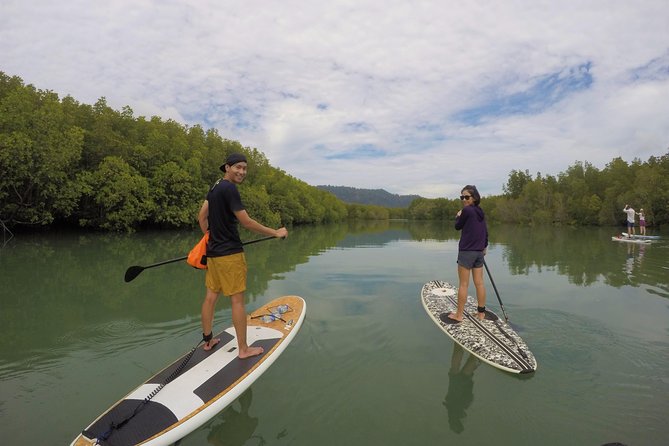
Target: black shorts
{"x":470,"y":259}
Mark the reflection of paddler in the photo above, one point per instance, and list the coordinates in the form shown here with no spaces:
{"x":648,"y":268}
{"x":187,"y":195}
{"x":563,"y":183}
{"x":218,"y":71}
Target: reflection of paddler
{"x":460,"y":388}
{"x":629,"y":264}
{"x":237,"y":426}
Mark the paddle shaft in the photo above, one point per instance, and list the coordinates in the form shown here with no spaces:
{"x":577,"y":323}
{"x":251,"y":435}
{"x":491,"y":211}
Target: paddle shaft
{"x":496,"y":292}
{"x":135,"y":271}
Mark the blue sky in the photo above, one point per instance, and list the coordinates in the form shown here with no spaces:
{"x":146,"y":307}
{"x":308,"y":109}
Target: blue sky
{"x":415,"y":97}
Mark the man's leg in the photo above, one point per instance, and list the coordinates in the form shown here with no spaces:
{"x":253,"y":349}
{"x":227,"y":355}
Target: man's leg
{"x":239,"y":321}
{"x":208,"y":308}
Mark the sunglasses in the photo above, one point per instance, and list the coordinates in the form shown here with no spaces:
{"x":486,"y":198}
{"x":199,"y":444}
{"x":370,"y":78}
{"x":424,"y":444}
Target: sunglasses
{"x":465,"y":197}
{"x":275,"y":314}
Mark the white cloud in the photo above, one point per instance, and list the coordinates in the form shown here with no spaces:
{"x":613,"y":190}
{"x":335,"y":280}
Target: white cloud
{"x":311,"y":84}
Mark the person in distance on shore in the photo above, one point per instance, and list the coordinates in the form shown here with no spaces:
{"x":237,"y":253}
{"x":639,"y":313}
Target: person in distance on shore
{"x":630,"y":219}
{"x":472,"y":248}
{"x":220,"y":214}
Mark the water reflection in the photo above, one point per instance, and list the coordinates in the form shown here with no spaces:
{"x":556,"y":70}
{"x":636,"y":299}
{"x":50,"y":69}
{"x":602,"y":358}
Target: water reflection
{"x":585,"y":256}
{"x":76,"y":279}
{"x":609,"y":344}
{"x":236,"y":426}
{"x":460,"y":388}
{"x":635,"y":255}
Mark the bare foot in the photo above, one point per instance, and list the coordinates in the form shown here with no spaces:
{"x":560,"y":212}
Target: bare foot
{"x":454,"y":317}
{"x":480,"y":316}
{"x":250,"y":351}
{"x":211,"y":344}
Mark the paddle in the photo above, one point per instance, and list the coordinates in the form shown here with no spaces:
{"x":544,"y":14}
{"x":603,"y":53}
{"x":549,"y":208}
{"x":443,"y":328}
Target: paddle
{"x":496,"y":292}
{"x":506,"y":318}
{"x":135,"y":270}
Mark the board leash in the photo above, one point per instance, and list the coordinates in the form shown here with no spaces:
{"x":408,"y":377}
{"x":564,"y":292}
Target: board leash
{"x":116,"y":426}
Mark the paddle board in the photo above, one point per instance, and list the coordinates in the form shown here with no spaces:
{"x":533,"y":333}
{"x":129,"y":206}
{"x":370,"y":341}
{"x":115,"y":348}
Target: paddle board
{"x":207,"y":383}
{"x":620,"y":238}
{"x":492,"y":340}
{"x":644,"y":237}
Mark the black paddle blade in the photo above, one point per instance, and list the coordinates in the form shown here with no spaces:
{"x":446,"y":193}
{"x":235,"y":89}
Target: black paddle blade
{"x":133,"y":272}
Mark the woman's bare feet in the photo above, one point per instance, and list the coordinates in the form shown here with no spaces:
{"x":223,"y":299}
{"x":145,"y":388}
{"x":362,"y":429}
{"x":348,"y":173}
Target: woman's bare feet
{"x":454,"y":317}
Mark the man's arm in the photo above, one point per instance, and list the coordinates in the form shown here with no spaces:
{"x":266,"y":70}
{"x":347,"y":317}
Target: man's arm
{"x":247,"y":222}
{"x":203,"y":217}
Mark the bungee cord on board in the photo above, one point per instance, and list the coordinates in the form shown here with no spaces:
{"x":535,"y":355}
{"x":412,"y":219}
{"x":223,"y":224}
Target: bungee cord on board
{"x":113,"y":426}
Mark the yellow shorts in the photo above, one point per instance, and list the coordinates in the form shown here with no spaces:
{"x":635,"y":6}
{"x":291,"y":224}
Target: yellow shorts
{"x":226,"y":274}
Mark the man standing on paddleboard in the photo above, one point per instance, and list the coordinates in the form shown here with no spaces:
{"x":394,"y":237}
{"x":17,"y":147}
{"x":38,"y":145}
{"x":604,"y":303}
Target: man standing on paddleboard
{"x":220,"y":214}
{"x":471,"y":249}
{"x":630,"y":219}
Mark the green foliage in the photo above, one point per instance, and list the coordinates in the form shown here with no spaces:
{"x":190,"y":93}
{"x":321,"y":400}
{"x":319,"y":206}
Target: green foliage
{"x":582,"y":195}
{"x":378,"y":197}
{"x":433,"y":209}
{"x":516,"y":183}
{"x":257,"y":202}
{"x":367,"y":212}
{"x":117,"y":197}
{"x":176,"y":194}
{"x":92,"y":166}
{"x":96,"y":167}
{"x":39,"y":152}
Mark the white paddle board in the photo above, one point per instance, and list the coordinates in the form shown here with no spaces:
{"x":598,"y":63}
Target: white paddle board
{"x":207,"y":383}
{"x":491,"y":340}
{"x":643,"y":237}
{"x":620,"y":238}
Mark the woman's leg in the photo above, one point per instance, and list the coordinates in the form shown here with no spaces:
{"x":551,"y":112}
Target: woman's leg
{"x":463,"y":277}
{"x":477,"y":274}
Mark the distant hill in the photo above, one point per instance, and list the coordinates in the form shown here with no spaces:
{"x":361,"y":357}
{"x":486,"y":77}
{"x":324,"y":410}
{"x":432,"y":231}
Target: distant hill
{"x":378,"y":197}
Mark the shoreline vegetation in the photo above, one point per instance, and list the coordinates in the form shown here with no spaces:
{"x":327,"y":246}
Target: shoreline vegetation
{"x":67,"y":164}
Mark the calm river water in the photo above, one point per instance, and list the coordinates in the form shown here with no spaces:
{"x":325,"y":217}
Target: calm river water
{"x":368,"y":367}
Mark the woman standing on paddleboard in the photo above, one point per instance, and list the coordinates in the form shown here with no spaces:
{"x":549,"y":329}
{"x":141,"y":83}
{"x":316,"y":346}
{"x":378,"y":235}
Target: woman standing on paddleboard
{"x":642,"y":222}
{"x":471,"y":249}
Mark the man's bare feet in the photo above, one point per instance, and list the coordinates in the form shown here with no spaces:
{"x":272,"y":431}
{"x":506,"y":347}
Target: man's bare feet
{"x":480,"y":316}
{"x":211,"y":344}
{"x":250,"y":351}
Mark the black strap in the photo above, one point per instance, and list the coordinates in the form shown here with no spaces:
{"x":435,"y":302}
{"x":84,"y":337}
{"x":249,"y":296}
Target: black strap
{"x":115,"y":426}
{"x":481,"y":309}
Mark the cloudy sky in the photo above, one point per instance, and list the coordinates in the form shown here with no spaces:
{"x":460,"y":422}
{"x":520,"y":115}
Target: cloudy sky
{"x":415,"y":97}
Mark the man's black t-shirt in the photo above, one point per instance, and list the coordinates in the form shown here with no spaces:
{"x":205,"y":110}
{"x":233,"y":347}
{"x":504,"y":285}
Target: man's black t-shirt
{"x":224,"y":200}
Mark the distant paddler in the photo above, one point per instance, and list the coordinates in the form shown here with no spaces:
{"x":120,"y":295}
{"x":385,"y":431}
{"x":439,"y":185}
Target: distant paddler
{"x":630,"y":219}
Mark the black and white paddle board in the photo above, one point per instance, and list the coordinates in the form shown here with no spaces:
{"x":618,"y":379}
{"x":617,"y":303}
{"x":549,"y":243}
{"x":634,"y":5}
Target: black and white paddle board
{"x":208,"y":382}
{"x":492,"y":340}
